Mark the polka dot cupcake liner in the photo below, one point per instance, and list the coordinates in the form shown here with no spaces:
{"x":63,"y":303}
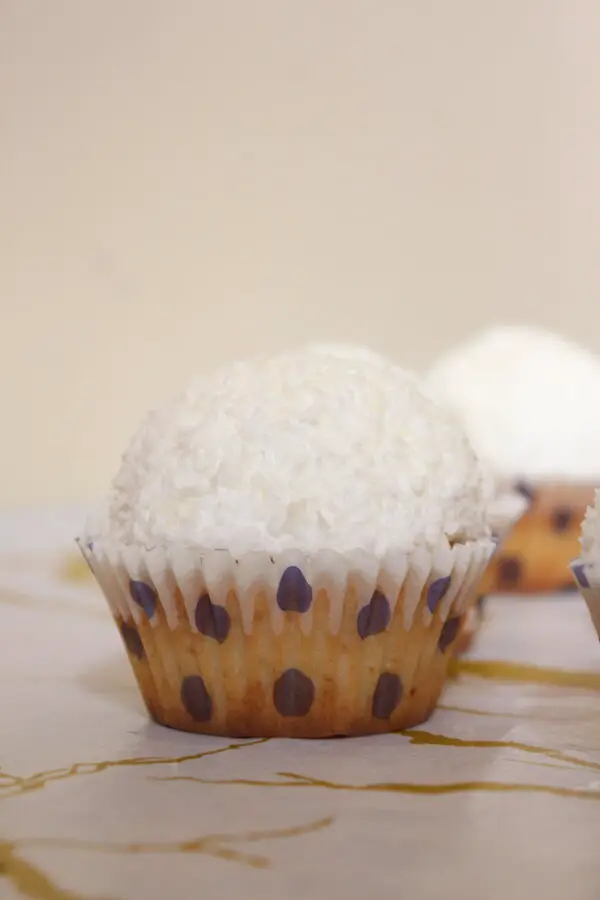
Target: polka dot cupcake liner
{"x":289,"y":645}
{"x":587,"y":578}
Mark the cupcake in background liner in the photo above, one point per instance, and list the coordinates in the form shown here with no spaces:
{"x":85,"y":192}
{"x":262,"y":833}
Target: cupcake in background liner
{"x":536,"y":555}
{"x":290,"y":548}
{"x":505,"y":513}
{"x":514,"y":388}
{"x":586,"y":569}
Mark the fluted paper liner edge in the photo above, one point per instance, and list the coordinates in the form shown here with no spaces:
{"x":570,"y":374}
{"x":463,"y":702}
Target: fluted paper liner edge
{"x":196,"y":572}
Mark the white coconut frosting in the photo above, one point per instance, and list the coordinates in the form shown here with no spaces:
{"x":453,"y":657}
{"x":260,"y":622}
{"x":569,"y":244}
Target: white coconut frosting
{"x":590,"y":532}
{"x":306,"y":451}
{"x":529,"y":402}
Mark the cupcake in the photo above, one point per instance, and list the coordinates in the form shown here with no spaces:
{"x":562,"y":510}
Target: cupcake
{"x":586,"y":569}
{"x":290,"y":547}
{"x":527,"y":400}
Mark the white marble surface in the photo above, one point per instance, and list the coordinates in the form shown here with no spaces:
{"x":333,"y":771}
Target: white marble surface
{"x":497,"y":795}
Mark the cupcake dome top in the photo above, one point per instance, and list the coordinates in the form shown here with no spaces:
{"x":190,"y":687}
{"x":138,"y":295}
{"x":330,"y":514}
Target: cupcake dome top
{"x":305,"y":451}
{"x":529,"y":401}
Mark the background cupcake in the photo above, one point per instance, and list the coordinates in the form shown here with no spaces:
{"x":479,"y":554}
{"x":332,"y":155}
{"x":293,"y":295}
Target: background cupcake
{"x":527,"y":399}
{"x":289,"y":549}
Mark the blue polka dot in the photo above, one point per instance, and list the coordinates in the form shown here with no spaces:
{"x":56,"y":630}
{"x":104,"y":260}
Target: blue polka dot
{"x":580,"y":575}
{"x":211,"y":620}
{"x":294,"y":593}
{"x":375,"y":617}
{"x":293,"y":693}
{"x":144,"y":596}
{"x":436,"y":592}
{"x":195,"y":698}
{"x":387,"y":695}
{"x":449,"y":633}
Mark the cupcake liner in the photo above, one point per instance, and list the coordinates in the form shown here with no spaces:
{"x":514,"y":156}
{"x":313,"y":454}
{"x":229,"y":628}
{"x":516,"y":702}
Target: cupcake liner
{"x":587,"y":578}
{"x":292,"y":644}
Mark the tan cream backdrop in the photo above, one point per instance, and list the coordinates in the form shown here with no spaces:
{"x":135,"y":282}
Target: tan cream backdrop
{"x":183,"y":182}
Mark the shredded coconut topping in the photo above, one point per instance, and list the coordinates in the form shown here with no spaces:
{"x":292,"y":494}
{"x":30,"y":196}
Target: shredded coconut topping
{"x":529,"y":401}
{"x":590,"y":531}
{"x":307,"y":451}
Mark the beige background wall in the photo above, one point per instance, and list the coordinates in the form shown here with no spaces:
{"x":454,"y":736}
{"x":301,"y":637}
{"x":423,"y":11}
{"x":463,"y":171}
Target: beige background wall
{"x":182,"y":182}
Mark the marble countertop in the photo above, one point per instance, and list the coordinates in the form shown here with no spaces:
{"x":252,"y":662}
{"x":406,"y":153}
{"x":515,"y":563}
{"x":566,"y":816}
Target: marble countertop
{"x":497,"y":795}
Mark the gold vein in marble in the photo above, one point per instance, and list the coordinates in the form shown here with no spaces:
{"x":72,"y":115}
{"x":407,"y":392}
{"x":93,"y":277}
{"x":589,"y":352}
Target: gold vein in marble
{"x":7,"y":779}
{"x":211,"y":843}
{"x":417,"y":736}
{"x":292,"y":779}
{"x":295,"y":780}
{"x":523,"y":673}
{"x":540,"y":764}
{"x":14,"y":785}
{"x":32,"y":882}
{"x":29,"y":880}
{"x":427,"y":738}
